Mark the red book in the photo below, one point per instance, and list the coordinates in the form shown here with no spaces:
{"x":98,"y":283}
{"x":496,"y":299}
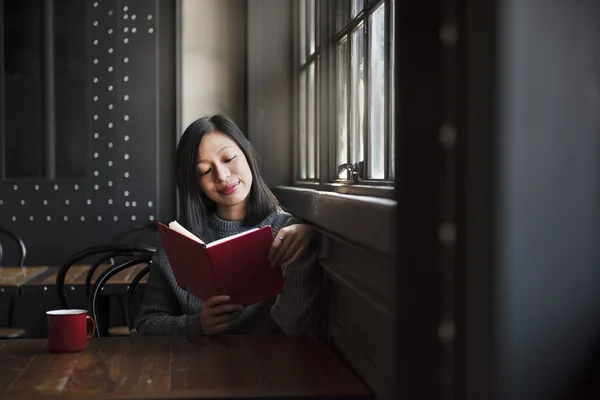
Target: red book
{"x":237,"y":266}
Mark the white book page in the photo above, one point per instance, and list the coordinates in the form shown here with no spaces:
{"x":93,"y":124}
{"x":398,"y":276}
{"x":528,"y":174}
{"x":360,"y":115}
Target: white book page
{"x":230,"y":237}
{"x":178,"y":228}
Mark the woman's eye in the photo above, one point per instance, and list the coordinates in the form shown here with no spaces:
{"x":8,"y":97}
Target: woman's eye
{"x":205,"y":172}
{"x":230,"y":159}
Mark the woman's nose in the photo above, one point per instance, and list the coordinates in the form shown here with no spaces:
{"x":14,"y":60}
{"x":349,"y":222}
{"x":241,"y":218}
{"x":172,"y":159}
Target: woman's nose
{"x":222,"y":173}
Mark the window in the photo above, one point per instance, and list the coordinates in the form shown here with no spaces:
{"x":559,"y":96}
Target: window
{"x":345,"y":92}
{"x":43,"y":84}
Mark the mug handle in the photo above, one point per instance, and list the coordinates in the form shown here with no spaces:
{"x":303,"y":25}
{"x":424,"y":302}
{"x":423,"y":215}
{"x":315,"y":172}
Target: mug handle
{"x":93,"y":326}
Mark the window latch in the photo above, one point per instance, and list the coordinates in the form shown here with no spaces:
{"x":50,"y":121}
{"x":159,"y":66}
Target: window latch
{"x":357,"y":170}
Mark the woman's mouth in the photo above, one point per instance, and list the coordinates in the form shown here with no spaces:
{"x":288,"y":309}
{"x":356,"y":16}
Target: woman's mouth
{"x":229,"y":189}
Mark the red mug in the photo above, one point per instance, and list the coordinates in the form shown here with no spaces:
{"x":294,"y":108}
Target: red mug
{"x":68,"y":330}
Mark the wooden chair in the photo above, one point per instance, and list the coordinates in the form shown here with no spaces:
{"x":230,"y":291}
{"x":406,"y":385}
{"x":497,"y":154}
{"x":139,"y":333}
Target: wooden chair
{"x":103,"y":279}
{"x":10,"y":332}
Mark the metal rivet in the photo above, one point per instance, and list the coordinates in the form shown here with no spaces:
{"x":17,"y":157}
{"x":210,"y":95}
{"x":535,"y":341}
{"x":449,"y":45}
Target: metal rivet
{"x":116,"y":218}
{"x":110,"y":31}
{"x":110,"y":125}
{"x":45,"y":202}
{"x":16,"y":187}
{"x":447,"y":331}
{"x":126,"y":193}
{"x":55,"y":187}
{"x":22,"y":202}
{"x":133,"y":218}
{"x":126,"y":29}
{"x":127,"y":204}
{"x":72,"y":288}
{"x":89,"y":201}
{"x":96,"y":155}
{"x":151,"y":218}
{"x":95,"y":98}
{"x":48,"y":218}
{"x":110,"y":12}
{"x":149,"y":17}
{"x":110,"y":50}
{"x":95,"y":80}
{"x":110,"y":201}
{"x":14,"y":218}
{"x":1,"y":290}
{"x":133,"y":17}
{"x":95,"y":61}
{"x":151,"y":30}
{"x":126,"y":97}
{"x":125,"y":40}
{"x":125,"y":8}
{"x":447,"y":135}
{"x":125,"y":16}
{"x":126,"y":60}
{"x":126,"y":118}
{"x":133,"y":204}
{"x":110,"y":106}
{"x":133,"y":30}
{"x":45,"y":288}
{"x":110,"y":183}
{"x":96,"y":173}
{"x":99,"y":218}
{"x":37,"y":187}
{"x":448,"y":34}
{"x":150,"y":204}
{"x":96,"y":136}
{"x":447,"y":233}
{"x":76,"y":187}
{"x":126,"y":79}
{"x":95,"y":117}
{"x":96,"y":187}
{"x":110,"y":88}
{"x":82,"y":218}
{"x":1,"y":202}
{"x":110,"y":69}
{"x":126,"y":138}
{"x":67,"y":202}
{"x":31,"y":217}
{"x":96,"y":4}
{"x":95,"y":23}
{"x":95,"y":42}
{"x":110,"y":145}
{"x":126,"y":156}
{"x":110,"y":163}
{"x":66,"y":218}
{"x":126,"y":174}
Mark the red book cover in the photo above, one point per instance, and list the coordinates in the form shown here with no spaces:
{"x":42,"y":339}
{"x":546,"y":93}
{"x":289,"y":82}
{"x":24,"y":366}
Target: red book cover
{"x":237,"y":266}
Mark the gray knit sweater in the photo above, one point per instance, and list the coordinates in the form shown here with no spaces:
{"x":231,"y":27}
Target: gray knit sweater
{"x":168,"y":309}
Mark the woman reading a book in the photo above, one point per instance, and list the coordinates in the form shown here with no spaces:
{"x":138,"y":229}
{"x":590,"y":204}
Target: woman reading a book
{"x":221,"y":193}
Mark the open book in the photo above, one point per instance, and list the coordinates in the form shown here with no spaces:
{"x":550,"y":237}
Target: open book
{"x":237,"y":266}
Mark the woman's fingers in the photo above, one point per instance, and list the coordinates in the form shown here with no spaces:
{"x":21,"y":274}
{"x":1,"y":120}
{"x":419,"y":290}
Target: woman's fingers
{"x":226,"y":308}
{"x":281,"y":250}
{"x":294,"y":257}
{"x":289,"y":253}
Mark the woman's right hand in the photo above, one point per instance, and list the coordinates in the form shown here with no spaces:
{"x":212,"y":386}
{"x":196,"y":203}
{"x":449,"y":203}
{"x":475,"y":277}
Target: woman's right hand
{"x":216,"y":315}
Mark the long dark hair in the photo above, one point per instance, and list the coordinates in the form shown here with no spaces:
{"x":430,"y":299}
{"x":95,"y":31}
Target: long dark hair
{"x":194,"y":205}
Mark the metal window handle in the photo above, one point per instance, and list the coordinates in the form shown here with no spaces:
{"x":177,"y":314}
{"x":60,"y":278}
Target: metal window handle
{"x":355,"y":169}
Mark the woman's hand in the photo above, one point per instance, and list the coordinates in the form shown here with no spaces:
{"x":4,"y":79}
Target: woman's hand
{"x":215,"y":315}
{"x":289,"y":244}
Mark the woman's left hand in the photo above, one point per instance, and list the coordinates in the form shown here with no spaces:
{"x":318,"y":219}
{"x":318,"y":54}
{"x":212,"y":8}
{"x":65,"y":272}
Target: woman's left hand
{"x":289,"y":244}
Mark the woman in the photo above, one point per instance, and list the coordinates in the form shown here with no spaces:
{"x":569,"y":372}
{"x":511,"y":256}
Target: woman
{"x":221,"y":193}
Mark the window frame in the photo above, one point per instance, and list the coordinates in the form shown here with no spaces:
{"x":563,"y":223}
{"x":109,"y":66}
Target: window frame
{"x":326,"y":116}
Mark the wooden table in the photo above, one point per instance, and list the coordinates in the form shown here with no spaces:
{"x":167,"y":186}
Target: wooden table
{"x":12,"y":278}
{"x":236,"y":366}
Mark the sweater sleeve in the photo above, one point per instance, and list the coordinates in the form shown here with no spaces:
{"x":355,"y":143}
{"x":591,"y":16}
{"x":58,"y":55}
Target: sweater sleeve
{"x":160,"y":312}
{"x":296,"y":309}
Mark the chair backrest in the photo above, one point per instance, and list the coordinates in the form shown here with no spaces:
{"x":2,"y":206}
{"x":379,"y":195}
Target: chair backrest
{"x":19,"y":242}
{"x":104,"y":277}
{"x":130,"y":291}
{"x":90,"y":252}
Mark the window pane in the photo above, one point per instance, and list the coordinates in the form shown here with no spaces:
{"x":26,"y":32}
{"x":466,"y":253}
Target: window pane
{"x":302,"y":44}
{"x":302,"y":126}
{"x":311,"y":26}
{"x":377,"y":103}
{"x":23,"y":89}
{"x":342,"y":14}
{"x":392,"y":86}
{"x":70,"y":76}
{"x":311,"y":134}
{"x":357,"y":6}
{"x":357,"y":111}
{"x":342,"y":106}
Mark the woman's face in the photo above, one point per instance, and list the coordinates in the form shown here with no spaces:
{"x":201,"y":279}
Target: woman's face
{"x":225,"y":176}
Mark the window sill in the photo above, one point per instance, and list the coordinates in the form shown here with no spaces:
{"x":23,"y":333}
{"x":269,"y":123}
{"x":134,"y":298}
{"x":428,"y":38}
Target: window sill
{"x":367,"y":222}
{"x":386,"y":192}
